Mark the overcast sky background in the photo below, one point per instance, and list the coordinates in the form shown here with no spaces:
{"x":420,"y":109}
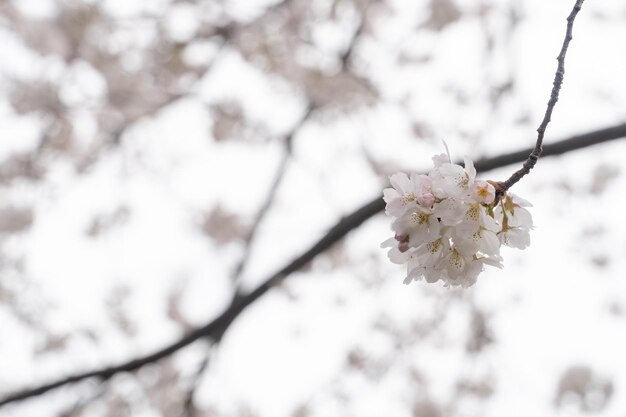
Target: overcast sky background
{"x":114,"y":246}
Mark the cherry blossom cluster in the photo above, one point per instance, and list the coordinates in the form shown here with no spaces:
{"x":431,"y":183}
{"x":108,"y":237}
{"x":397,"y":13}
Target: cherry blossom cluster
{"x":448,"y":225}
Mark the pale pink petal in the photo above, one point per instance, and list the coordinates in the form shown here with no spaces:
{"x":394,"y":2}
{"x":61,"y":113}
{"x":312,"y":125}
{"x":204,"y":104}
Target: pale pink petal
{"x":469,"y":168}
{"x":402,"y":183}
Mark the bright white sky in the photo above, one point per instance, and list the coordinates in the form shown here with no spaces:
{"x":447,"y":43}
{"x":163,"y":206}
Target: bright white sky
{"x":550,"y":308}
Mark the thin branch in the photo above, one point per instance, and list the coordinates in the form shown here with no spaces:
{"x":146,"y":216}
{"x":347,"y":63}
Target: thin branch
{"x":189,"y":409}
{"x":227,"y":33}
{"x":83,"y":403}
{"x":216,"y":327}
{"x":356,"y":37}
{"x":554,"y":97}
{"x":280,"y":173}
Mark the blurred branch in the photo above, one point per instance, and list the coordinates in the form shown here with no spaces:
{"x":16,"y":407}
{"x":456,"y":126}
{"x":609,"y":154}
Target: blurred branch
{"x":554,"y":97}
{"x":280,"y":173}
{"x":80,"y":405}
{"x":216,"y":327}
{"x":189,"y":409}
{"x":225,"y":34}
{"x":347,"y":54}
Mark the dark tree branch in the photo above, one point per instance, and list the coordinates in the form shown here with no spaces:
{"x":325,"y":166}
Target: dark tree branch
{"x":216,"y":327}
{"x":554,"y":97}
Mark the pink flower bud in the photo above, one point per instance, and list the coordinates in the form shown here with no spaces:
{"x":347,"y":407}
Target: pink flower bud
{"x":426,"y":200}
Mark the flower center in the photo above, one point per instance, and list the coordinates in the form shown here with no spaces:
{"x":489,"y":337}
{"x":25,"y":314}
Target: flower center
{"x":483,"y":192}
{"x":463,"y":181}
{"x":433,"y":247}
{"x":473,"y":213}
{"x":419,"y":218}
{"x":456,"y":260}
{"x":408,"y":197}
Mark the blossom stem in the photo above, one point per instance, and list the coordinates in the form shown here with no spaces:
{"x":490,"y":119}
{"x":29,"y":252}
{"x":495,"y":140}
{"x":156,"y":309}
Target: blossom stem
{"x":554,"y":97}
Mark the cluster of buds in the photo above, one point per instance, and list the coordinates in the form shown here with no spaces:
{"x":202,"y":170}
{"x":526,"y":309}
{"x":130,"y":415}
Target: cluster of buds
{"x":448,"y":225}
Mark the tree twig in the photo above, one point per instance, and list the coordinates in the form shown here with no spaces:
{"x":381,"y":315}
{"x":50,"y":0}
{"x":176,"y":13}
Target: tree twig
{"x":280,"y":173}
{"x":356,"y":36}
{"x":216,"y":327}
{"x":554,"y":97}
{"x":189,"y":409}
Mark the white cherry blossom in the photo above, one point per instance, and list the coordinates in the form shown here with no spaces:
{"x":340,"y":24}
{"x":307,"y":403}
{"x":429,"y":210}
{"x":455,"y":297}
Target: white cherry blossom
{"x":429,"y":254}
{"x":516,"y":221}
{"x":483,"y":192}
{"x":420,"y":225}
{"x":449,"y":225}
{"x":515,"y":238}
{"x":450,"y":211}
{"x":460,"y":269}
{"x":451,"y":180}
{"x":481,"y":241}
{"x":407,"y":192}
{"x":399,"y":253}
